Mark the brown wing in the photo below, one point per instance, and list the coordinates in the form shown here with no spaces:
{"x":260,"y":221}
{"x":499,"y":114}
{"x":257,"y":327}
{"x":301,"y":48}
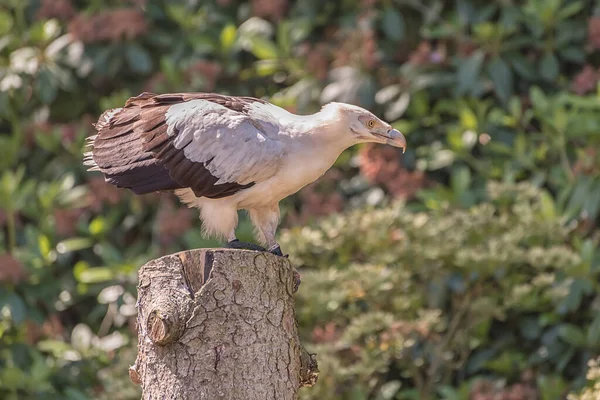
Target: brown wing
{"x":133,"y":150}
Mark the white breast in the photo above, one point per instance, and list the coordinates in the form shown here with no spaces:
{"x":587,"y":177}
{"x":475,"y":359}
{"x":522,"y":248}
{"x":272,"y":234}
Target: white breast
{"x":298,"y":170}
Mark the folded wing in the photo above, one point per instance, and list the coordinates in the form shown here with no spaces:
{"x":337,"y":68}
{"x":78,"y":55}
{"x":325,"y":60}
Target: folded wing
{"x":207,"y":142}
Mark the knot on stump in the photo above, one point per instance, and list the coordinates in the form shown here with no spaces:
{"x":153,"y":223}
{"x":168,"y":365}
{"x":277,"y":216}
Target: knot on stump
{"x":309,"y":369}
{"x":134,"y":375}
{"x":163,"y":328}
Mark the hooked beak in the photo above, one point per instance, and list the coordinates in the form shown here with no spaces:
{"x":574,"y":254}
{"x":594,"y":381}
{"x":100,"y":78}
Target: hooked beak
{"x":394,"y":138}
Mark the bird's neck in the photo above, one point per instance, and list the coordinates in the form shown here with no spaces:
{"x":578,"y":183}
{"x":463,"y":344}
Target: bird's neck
{"x":325,"y":129}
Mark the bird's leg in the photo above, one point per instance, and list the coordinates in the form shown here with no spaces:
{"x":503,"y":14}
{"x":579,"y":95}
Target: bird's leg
{"x":220,"y":220}
{"x":265,"y":220}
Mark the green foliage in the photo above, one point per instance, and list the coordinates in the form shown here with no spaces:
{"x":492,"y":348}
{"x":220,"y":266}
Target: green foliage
{"x":435,"y":299}
{"x":465,"y":267}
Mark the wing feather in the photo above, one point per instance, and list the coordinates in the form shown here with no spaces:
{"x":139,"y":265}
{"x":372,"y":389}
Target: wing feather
{"x":204,"y":141}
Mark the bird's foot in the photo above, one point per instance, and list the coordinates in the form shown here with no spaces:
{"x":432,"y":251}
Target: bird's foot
{"x":277,"y":251}
{"x":236,"y":244}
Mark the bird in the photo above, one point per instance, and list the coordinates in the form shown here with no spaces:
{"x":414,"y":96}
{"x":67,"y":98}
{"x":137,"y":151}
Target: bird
{"x":221,"y":153}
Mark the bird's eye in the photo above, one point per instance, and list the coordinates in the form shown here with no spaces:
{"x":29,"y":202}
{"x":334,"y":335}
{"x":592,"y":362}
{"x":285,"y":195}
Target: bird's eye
{"x":370,"y":123}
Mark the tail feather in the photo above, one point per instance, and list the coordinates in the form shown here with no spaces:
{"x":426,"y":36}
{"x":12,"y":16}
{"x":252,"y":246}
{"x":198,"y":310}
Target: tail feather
{"x":118,"y":151}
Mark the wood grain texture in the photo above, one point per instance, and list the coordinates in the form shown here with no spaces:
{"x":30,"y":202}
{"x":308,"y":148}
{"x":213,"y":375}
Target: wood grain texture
{"x":219,"y":324}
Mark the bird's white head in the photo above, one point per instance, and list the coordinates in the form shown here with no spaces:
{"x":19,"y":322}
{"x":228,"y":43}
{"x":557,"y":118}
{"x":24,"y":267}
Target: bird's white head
{"x":364,"y":126}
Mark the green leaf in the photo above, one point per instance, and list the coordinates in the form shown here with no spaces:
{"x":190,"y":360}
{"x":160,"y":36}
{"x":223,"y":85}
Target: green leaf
{"x":9,"y":151}
{"x":13,"y":378}
{"x":15,"y":305}
{"x":56,"y":347}
{"x":283,"y":37}
{"x":523,"y":66}
{"x":479,"y":359}
{"x":485,"y":13}
{"x":579,"y":195}
{"x":263,"y":48}
{"x":465,"y":10}
{"x":6,"y":22}
{"x":506,"y":362}
{"x":547,"y":205}
{"x":74,"y":244}
{"x":530,"y":328}
{"x":539,"y":99}
{"x":572,"y":334}
{"x":228,"y":35}
{"x":575,"y":54}
{"x":592,"y":203}
{"x":46,"y":86}
{"x":593,"y":332}
{"x":551,"y":387}
{"x":509,"y":17}
{"x":44,"y":245}
{"x":169,"y":68}
{"x":97,"y":226}
{"x":468,"y":119}
{"x":393,"y":24}
{"x":569,"y":10}
{"x":267,"y":67}
{"x":578,"y":288}
{"x":502,"y":78}
{"x":95,"y":275}
{"x":549,"y":67}
{"x":138,"y":59}
{"x":461,"y":180}
{"x":468,"y":72}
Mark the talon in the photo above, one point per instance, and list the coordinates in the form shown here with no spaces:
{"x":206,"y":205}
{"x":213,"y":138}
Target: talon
{"x":277,"y":251}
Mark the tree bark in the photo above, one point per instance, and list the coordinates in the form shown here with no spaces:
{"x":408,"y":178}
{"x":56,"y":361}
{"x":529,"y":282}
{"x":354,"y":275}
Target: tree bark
{"x":219,"y":324}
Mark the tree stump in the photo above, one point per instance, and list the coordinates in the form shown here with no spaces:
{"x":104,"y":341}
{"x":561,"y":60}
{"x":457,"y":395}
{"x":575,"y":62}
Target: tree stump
{"x":219,"y":324}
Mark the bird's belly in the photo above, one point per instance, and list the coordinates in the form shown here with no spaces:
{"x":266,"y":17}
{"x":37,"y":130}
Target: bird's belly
{"x":290,"y":178}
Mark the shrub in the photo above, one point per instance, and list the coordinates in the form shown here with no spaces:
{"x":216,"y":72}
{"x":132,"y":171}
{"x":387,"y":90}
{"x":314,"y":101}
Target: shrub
{"x":402,"y":304}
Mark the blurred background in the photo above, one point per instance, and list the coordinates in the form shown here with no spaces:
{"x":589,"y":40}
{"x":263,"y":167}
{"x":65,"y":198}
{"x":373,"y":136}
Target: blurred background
{"x":466,"y":268}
